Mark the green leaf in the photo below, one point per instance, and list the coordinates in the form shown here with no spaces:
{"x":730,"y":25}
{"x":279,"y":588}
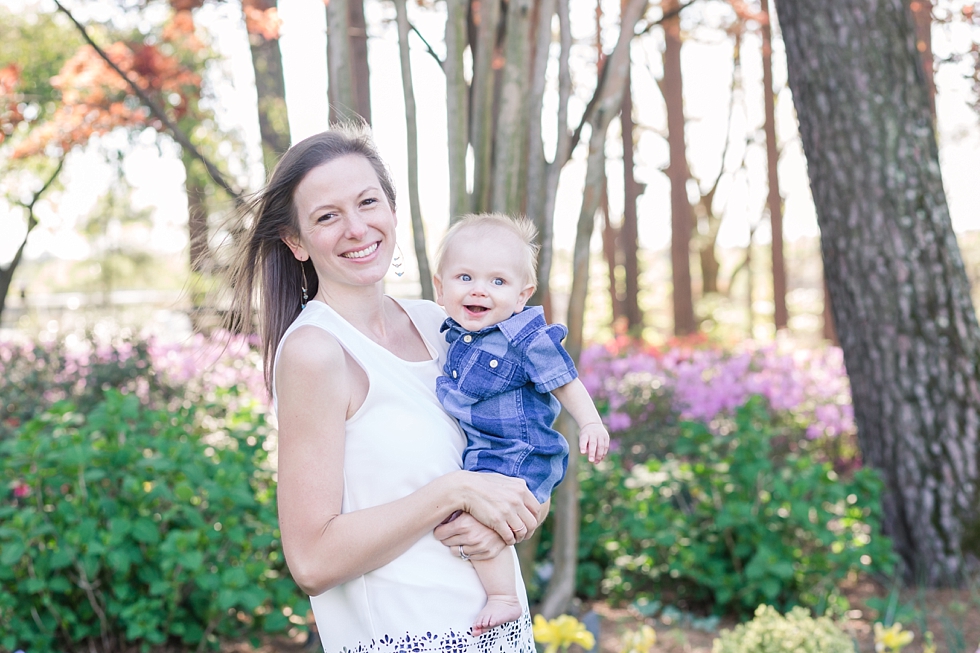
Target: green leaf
{"x":276,"y":622}
{"x":60,"y":559}
{"x":183,"y":492}
{"x":144,"y":530}
{"x":11,"y":553}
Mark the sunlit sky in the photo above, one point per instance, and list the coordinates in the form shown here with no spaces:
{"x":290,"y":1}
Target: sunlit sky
{"x":156,"y":173}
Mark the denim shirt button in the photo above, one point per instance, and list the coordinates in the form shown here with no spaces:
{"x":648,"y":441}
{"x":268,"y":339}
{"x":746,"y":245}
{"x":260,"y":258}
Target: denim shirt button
{"x":467,"y":338}
{"x":454,"y":374}
{"x":493,"y":363}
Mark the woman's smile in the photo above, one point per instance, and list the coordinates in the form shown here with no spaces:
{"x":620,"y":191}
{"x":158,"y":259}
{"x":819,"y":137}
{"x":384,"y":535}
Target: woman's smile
{"x":363,"y":253}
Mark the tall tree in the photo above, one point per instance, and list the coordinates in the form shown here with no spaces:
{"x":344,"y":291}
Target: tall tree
{"x":922,"y":13}
{"x":262,"y":25}
{"x":607,"y":105}
{"x":510,"y":139}
{"x":629,"y":232}
{"x":32,"y":52}
{"x":340,"y":82}
{"x":418,"y":229}
{"x":707,"y":218}
{"x":681,"y":216}
{"x":898,"y":287}
{"x":360,"y":72}
{"x":775,"y":200}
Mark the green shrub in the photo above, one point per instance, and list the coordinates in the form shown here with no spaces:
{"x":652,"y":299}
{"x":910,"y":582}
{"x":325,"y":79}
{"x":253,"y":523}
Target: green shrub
{"x":37,"y":375}
{"x":771,"y":632}
{"x":724,"y":523}
{"x":130,"y":526}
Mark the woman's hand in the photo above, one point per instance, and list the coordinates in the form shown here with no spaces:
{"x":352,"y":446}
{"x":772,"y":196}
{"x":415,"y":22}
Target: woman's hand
{"x":501,"y":503}
{"x":478,"y":541}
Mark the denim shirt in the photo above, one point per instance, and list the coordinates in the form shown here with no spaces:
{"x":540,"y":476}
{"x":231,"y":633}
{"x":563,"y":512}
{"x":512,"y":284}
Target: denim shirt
{"x":497,"y":382}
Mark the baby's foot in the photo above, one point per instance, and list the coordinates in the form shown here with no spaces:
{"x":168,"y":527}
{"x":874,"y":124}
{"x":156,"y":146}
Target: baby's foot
{"x":500,"y":609}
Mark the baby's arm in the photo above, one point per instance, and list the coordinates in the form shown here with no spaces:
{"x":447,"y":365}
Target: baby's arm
{"x":593,"y":437}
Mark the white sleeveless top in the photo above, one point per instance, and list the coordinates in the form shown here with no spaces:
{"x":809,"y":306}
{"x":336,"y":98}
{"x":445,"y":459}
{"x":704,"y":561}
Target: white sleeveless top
{"x":399,"y":440}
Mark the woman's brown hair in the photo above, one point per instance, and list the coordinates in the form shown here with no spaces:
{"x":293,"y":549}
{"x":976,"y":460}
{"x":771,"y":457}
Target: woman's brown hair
{"x":264,"y":261}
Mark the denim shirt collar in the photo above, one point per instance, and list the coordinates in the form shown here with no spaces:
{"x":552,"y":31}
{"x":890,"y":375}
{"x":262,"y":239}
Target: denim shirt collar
{"x":510,"y":327}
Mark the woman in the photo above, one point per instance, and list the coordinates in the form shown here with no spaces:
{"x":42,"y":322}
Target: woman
{"x":369,"y":463}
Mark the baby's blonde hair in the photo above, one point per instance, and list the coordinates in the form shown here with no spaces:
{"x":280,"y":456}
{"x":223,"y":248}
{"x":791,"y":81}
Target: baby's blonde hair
{"x":520,"y":226}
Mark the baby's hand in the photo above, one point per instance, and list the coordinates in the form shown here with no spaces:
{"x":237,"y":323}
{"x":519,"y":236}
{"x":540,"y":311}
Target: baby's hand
{"x":593,"y":439}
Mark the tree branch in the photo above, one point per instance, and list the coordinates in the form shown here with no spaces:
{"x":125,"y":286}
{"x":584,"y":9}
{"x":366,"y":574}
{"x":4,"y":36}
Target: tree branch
{"x":667,"y":16}
{"x":427,"y":46}
{"x":31,"y":219}
{"x":156,"y":110}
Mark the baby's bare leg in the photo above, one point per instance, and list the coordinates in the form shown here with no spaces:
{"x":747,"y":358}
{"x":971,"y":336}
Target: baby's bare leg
{"x":497,"y":576}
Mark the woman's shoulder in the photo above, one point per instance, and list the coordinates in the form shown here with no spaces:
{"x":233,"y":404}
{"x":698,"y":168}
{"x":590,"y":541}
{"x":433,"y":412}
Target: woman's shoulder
{"x":310,"y":347}
{"x":426,"y":314}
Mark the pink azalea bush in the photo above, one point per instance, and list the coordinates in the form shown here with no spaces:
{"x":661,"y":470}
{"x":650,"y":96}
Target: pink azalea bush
{"x":806,"y":387}
{"x":223,"y":370}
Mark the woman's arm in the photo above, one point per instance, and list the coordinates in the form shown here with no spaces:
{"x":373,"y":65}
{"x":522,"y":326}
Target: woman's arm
{"x":480,"y":542}
{"x":324,"y":547}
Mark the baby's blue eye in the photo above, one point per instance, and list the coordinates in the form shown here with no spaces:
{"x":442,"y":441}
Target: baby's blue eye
{"x":498,"y":281}
{"x":464,"y":277}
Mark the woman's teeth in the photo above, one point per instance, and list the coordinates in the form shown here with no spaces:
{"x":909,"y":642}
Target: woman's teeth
{"x":367,"y":251}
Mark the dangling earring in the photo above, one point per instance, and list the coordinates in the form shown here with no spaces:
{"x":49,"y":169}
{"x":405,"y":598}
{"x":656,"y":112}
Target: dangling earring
{"x":302,"y":267}
{"x":397,"y":262}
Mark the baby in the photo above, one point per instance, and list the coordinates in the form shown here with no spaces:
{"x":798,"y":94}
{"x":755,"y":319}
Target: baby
{"x":505,"y":374}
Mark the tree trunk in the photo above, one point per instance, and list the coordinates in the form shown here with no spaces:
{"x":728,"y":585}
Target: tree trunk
{"x":481,"y":101}
{"x":829,"y":330}
{"x":610,"y":251}
{"x":542,"y":295}
{"x":457,"y":111}
{"x":922,"y":13}
{"x":7,"y":273}
{"x":775,"y":200}
{"x":899,"y":289}
{"x":360,"y":73}
{"x":680,"y":206}
{"x":561,"y":589}
{"x":418,"y":229}
{"x":197,"y":220}
{"x":709,"y":266}
{"x":340,"y":89}
{"x":271,"y":90}
{"x":628,"y":236}
{"x":509,"y":152}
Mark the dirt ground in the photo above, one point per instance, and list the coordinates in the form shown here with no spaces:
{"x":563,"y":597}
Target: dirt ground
{"x":953,"y":616}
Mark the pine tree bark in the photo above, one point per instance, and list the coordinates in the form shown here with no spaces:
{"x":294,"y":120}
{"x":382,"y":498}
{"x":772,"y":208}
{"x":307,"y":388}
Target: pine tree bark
{"x":898,"y":287}
{"x":681,"y":218}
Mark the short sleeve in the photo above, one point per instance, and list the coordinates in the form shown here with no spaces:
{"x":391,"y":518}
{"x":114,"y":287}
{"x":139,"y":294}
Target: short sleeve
{"x":546,"y":362}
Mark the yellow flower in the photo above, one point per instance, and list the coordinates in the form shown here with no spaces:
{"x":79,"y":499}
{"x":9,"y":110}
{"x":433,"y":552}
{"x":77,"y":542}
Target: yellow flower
{"x":929,"y":646}
{"x":640,"y":641}
{"x":891,"y":639}
{"x":562,"y":631}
